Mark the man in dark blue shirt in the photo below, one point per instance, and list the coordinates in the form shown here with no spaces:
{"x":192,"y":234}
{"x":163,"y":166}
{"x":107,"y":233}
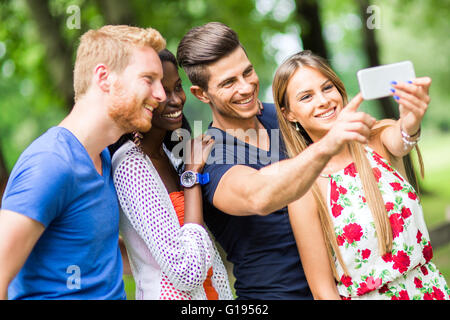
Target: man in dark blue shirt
{"x":251,"y":182}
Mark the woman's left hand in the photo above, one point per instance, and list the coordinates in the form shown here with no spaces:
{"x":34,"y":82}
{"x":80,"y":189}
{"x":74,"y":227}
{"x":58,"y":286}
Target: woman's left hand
{"x":413,"y":102}
{"x":198,"y":152}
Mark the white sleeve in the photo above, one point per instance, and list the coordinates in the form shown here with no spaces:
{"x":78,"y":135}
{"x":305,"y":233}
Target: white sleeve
{"x":184,"y":254}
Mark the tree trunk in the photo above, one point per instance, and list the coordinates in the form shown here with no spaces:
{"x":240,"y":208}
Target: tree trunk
{"x":388,"y":108}
{"x":308,"y":15}
{"x":117,"y":12}
{"x":59,"y":57}
{"x":3,"y":175}
{"x":59,"y":53}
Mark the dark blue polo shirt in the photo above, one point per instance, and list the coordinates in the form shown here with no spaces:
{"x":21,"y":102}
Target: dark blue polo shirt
{"x":262,"y":248}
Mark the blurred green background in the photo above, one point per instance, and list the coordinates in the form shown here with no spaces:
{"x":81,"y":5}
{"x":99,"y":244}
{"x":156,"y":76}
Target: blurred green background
{"x":38,"y":41}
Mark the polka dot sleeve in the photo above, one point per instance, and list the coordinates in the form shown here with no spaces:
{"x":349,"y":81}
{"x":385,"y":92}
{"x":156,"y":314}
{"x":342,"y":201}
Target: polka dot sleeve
{"x":184,"y":253}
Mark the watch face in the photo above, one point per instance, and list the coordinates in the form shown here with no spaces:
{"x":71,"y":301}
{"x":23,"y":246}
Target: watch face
{"x":188,"y":179}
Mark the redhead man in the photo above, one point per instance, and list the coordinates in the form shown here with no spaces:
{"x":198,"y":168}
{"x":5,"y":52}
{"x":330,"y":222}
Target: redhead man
{"x":59,"y":222}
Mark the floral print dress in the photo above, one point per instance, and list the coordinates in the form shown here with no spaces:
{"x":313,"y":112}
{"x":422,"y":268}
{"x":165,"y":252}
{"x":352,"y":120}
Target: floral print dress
{"x":405,"y":273}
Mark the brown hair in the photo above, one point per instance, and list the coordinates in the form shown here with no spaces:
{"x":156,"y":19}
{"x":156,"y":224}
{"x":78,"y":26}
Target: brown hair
{"x":296,"y":143}
{"x":202,"y":46}
{"x":111,"y":45}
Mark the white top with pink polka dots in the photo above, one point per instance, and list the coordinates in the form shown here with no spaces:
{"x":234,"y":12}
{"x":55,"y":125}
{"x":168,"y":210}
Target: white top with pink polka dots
{"x":167,"y":261}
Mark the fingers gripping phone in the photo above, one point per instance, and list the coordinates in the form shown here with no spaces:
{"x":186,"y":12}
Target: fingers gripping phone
{"x":375,"y":82}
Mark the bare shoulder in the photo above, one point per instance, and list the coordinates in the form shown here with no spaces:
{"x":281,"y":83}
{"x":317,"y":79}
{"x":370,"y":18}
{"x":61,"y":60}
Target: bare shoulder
{"x":382,"y":130}
{"x":306,"y":204}
{"x":381,"y":127}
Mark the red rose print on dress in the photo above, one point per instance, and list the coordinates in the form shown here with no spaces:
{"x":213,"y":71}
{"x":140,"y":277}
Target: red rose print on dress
{"x":342,"y":190}
{"x":377,"y":173}
{"x":346,"y":280}
{"x":378,"y":159}
{"x":398,"y":176}
{"x":419,"y":236}
{"x":396,"y":221}
{"x":389,"y":206}
{"x":336,"y":210}
{"x":340,"y":240}
{"x":352,"y":232}
{"x":412,"y":195}
{"x":418,"y":283}
{"x":383,"y":289}
{"x":424,"y":270}
{"x":350,"y":170}
{"x":369,"y":285}
{"x":396,"y":186}
{"x":401,"y":261}
{"x":402,"y":295}
{"x":387,"y":257}
{"x":427,"y":296}
{"x":404,"y":273}
{"x":334,"y":192}
{"x":438,"y":294}
{"x":366,"y":253}
{"x":427,"y":252}
{"x":406,"y":212}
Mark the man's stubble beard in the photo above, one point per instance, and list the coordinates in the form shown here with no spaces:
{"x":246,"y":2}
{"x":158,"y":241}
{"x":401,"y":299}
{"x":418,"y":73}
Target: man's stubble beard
{"x":126,"y":110}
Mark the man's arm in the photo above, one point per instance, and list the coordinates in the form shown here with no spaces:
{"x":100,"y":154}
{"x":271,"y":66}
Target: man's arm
{"x":18,"y":235}
{"x":245,"y":191}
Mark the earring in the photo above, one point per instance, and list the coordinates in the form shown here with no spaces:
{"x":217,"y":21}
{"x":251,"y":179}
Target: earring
{"x":137,"y":136}
{"x":178,"y":135}
{"x":260,"y":107}
{"x":297,"y":127}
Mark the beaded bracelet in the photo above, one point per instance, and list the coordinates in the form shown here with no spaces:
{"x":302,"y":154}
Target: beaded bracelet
{"x":409,"y":140}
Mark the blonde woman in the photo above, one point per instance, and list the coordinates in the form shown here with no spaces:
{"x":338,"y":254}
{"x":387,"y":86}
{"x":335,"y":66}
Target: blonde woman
{"x":360,"y":230}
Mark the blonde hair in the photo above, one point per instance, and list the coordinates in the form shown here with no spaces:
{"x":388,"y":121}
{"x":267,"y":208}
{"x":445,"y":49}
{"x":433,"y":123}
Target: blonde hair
{"x":295,"y":143}
{"x":111,"y":45}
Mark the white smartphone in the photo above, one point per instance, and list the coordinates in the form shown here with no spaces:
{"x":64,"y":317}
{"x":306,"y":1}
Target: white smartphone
{"x":375,"y":83}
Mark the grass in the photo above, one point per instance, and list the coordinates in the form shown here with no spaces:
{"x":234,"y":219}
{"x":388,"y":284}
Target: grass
{"x":442,"y":261}
{"x":130,"y":287}
{"x":436,"y":155}
{"x":435,"y":148}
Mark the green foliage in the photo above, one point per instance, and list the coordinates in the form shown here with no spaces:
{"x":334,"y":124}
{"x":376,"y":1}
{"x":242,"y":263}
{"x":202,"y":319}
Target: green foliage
{"x":30,"y":103}
{"x":418,"y":31}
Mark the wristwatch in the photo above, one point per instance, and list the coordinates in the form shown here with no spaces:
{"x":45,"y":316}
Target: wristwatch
{"x":190,"y":178}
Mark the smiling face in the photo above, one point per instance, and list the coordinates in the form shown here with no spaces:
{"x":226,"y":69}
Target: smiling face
{"x":233,"y":88}
{"x":137,"y":91}
{"x":168,"y":116}
{"x":313,"y":100}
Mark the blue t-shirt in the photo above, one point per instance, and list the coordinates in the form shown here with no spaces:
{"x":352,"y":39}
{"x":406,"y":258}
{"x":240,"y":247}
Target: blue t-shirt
{"x":77,"y":257}
{"x":262,"y":248}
